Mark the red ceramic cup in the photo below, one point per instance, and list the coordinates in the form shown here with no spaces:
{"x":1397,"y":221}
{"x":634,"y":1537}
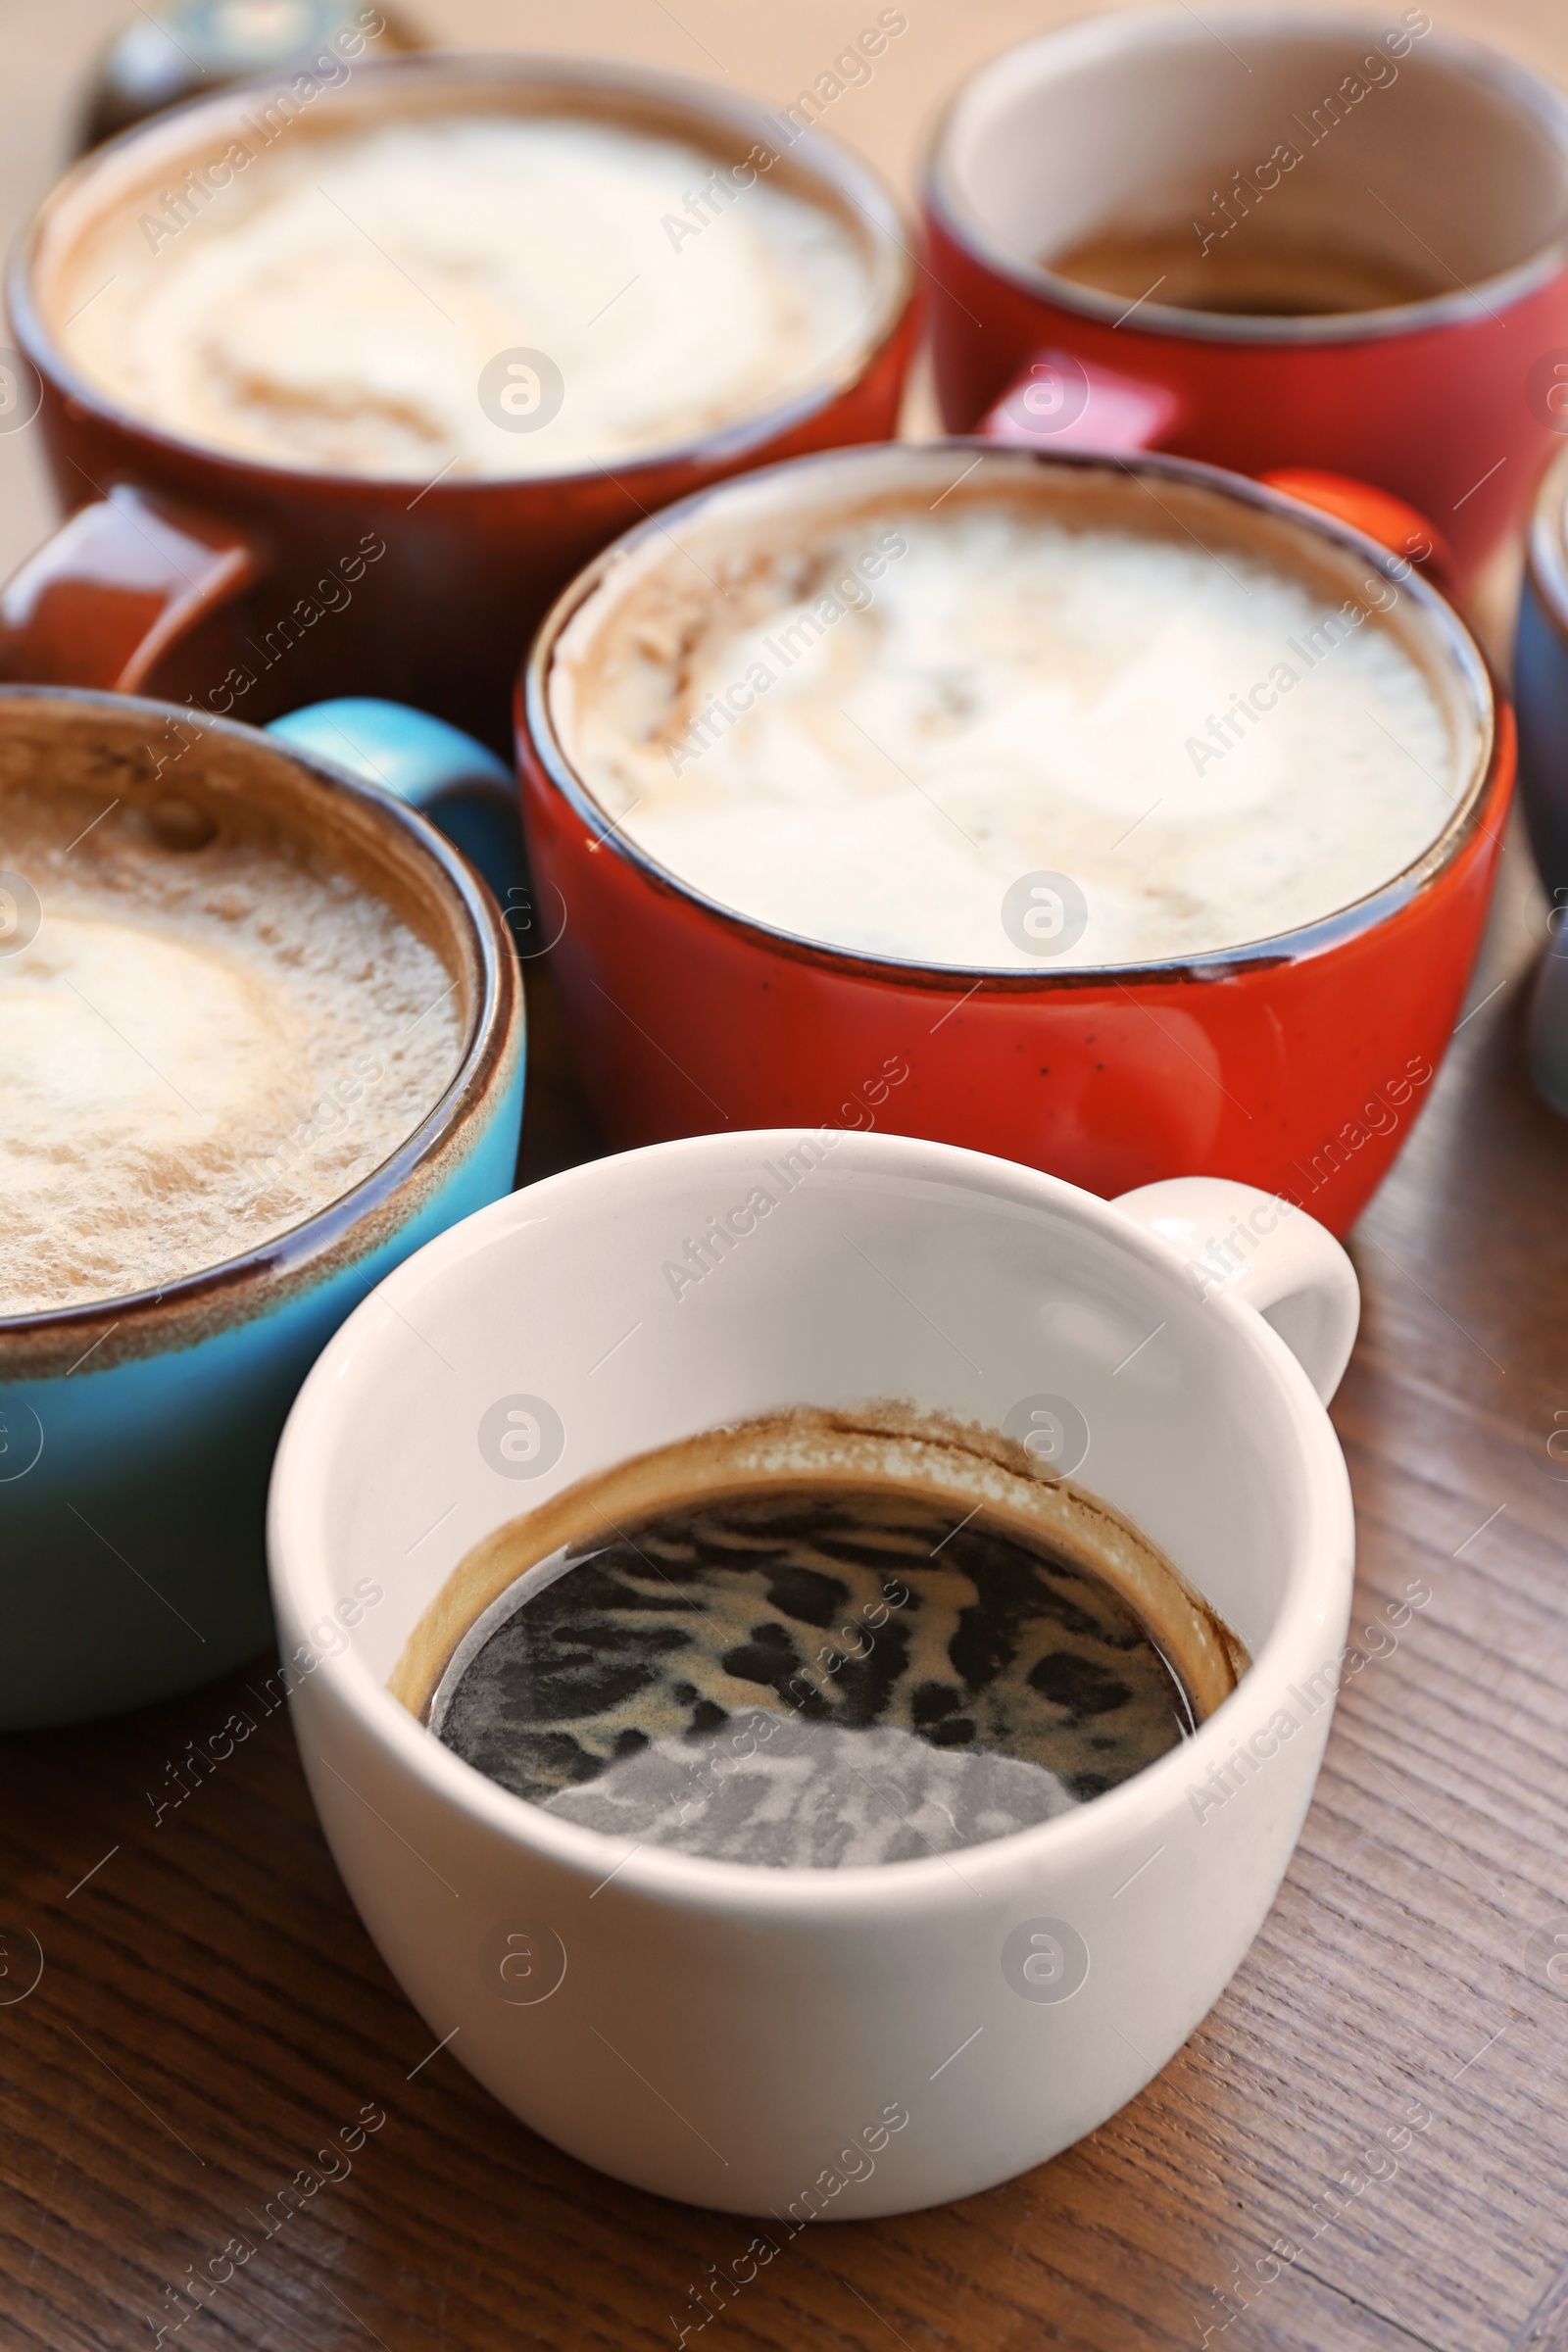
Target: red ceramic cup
{"x":1240,"y":127}
{"x":183,"y":570}
{"x":1295,"y":1062}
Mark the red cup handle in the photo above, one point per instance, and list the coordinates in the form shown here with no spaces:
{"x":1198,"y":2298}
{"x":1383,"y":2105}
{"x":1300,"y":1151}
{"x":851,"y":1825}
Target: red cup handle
{"x":1392,"y":521}
{"x":105,"y":598}
{"x":1059,"y":400}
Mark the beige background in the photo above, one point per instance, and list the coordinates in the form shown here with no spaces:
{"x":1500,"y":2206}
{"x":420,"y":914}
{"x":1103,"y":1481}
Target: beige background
{"x":48,"y":49}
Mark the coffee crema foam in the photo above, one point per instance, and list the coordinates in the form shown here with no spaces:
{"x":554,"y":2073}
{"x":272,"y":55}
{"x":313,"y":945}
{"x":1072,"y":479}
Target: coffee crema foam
{"x":336,"y":305}
{"x":817,"y":1675}
{"x":819,"y":1640}
{"x":890,"y":714}
{"x":204,"y":1045}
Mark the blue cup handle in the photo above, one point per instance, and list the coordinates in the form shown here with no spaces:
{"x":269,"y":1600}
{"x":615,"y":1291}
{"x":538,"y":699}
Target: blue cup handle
{"x":460,"y":786}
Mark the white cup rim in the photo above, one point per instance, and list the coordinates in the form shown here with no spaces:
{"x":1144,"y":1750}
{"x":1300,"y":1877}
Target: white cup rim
{"x":301,"y":1572}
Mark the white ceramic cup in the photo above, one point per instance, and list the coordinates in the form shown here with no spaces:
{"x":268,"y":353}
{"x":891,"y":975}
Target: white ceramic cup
{"x":750,"y":2037}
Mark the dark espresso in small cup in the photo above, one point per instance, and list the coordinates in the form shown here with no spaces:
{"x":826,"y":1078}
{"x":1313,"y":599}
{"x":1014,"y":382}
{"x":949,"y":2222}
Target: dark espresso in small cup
{"x":824,"y":1668}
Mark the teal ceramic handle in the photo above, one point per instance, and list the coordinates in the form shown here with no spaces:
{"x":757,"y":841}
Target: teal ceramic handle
{"x":454,"y":781}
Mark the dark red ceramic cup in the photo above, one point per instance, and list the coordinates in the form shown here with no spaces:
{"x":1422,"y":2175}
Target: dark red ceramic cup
{"x":1295,"y":1062}
{"x":182,"y":570}
{"x":1429,"y":159}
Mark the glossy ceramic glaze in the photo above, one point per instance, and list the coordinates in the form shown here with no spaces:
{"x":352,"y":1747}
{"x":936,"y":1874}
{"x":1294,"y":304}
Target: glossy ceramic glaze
{"x":1295,"y":1063}
{"x":1541,"y":680}
{"x":1439,"y":401}
{"x":1540,"y":687}
{"x":731,"y":2035}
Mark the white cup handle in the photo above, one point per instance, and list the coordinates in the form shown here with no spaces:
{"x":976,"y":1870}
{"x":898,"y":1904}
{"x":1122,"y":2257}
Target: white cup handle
{"x":1263,"y":1249}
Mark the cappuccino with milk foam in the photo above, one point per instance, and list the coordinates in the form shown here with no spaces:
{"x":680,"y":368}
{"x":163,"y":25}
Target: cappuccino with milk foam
{"x":882,"y":710}
{"x":336,"y":304}
{"x":207,"y":1035}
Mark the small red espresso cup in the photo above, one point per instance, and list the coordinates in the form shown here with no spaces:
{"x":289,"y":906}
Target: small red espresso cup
{"x":1272,"y":241}
{"x":193,"y":568}
{"x":1293,"y":1060}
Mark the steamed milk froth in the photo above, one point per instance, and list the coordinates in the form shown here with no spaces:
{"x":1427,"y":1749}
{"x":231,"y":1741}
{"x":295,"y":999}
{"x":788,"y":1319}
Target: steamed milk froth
{"x":891,"y":715}
{"x":335,"y":304}
{"x":200,"y":1047}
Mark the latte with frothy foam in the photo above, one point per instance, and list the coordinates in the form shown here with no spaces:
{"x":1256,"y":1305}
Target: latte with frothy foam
{"x":342,"y":301}
{"x":862,"y":699}
{"x":207,"y":1035}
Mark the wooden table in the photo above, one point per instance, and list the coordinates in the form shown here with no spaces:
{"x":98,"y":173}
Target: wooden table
{"x":1358,"y":2149}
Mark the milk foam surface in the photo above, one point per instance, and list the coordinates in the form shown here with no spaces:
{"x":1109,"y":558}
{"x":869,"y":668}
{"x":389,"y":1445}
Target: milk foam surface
{"x":198,"y":1049}
{"x":335,"y":304}
{"x":943,"y":703}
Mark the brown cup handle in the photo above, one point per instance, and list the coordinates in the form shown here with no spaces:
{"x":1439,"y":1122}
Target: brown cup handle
{"x":105,"y":598}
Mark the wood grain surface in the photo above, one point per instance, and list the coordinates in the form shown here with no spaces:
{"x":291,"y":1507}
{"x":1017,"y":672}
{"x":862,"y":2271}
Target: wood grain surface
{"x":1366,"y":2144}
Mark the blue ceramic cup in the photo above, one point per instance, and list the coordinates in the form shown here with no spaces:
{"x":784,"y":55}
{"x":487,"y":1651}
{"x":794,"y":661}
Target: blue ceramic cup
{"x":136,"y":1432}
{"x":1541,"y":697}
